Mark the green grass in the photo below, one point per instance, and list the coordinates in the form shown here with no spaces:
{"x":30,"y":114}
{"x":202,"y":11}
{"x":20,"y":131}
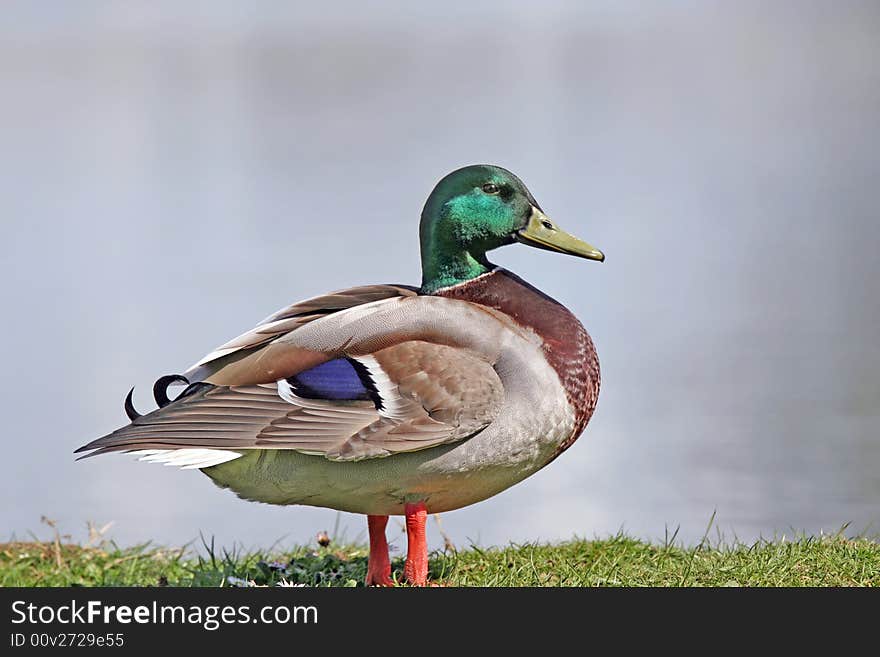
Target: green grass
{"x":617,"y":561}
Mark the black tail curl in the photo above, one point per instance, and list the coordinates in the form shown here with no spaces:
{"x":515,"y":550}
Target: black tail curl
{"x":160,"y":388}
{"x":160,"y":393}
{"x":129,"y":407}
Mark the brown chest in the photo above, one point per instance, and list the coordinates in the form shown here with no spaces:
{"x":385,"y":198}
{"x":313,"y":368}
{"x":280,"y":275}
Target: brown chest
{"x":567,"y":345}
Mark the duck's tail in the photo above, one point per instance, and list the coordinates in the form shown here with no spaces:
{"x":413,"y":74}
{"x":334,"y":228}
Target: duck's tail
{"x":131,"y":437}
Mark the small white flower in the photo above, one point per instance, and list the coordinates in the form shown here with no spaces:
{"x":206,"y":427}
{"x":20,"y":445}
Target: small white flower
{"x":239,"y":582}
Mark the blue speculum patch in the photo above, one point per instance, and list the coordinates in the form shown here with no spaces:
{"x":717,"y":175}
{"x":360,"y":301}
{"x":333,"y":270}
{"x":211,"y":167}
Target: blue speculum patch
{"x":335,"y":379}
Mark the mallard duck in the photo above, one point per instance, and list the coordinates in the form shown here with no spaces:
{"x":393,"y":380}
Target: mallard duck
{"x":391,"y":399}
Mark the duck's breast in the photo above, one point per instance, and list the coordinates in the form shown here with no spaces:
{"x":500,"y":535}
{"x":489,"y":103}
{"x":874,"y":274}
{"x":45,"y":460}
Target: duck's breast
{"x":566,"y":345}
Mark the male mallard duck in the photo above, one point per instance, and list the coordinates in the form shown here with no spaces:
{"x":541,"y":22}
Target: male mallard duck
{"x":390,"y":399}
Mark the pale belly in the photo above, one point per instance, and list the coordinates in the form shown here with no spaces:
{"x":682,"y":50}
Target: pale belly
{"x":536,"y":419}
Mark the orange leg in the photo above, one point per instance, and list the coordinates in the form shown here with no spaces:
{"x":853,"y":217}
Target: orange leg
{"x":379,"y":565}
{"x":416,"y":568}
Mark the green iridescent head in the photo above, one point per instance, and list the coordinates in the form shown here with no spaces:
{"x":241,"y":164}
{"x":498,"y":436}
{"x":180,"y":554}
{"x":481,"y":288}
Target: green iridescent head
{"x":479,"y":208}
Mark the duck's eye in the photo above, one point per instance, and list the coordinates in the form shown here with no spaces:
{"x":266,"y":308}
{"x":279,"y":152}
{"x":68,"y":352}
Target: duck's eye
{"x":491,"y":188}
{"x":546,"y":224}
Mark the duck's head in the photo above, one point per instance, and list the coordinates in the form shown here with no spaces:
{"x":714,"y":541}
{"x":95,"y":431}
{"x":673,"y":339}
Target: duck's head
{"x":477,"y":209}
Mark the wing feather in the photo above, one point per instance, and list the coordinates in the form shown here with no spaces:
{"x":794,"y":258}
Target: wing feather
{"x":430,"y":365}
{"x":298,"y":314}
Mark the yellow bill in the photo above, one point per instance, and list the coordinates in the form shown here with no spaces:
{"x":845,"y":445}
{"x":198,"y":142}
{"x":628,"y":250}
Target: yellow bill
{"x":543,"y":233}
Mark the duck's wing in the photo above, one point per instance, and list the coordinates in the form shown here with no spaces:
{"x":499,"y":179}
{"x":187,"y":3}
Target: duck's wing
{"x":289,"y":319}
{"x":397,"y":374}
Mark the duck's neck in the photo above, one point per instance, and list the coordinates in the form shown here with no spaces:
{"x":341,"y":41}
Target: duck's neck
{"x":446,"y":265}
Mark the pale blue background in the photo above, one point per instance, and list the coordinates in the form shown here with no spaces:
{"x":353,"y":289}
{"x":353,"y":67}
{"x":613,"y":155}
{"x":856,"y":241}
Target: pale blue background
{"x":169,"y":175}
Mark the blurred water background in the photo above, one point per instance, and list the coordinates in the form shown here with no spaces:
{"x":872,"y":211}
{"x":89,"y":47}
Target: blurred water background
{"x":170,"y":174}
